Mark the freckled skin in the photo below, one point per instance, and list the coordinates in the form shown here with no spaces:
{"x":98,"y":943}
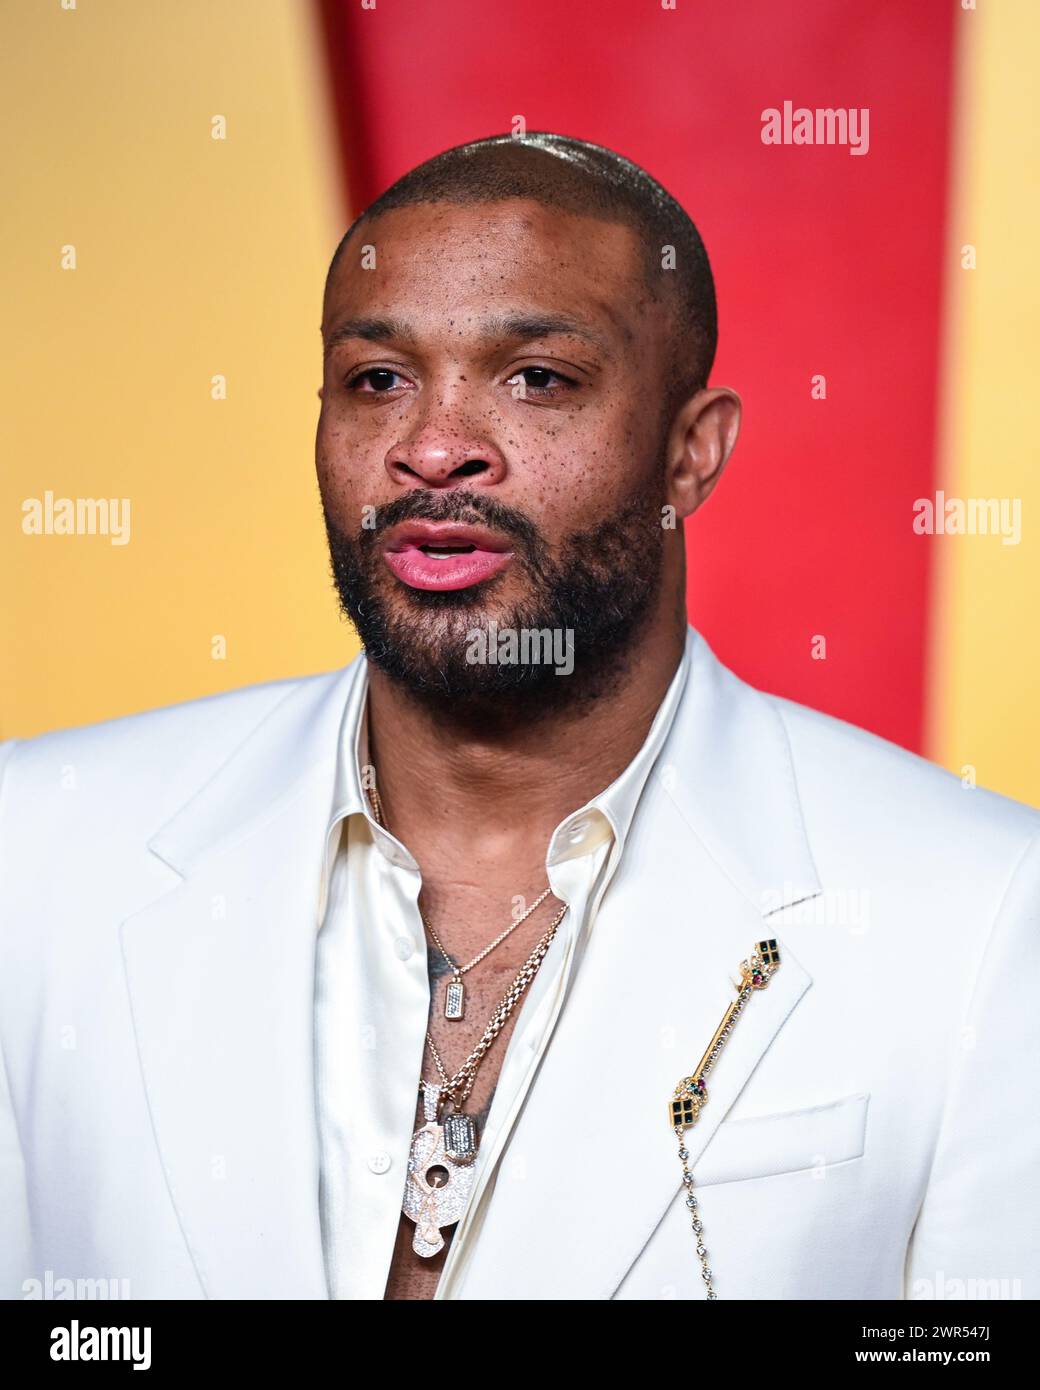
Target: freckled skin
{"x":476,"y":801}
{"x":441,"y":267}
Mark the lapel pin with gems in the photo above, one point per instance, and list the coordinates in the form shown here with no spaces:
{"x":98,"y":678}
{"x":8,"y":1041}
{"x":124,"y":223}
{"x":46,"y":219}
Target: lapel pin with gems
{"x":691,"y":1094}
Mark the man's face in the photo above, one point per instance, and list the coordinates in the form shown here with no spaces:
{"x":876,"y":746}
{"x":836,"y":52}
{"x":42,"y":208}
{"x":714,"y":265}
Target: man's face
{"x":490,"y":440}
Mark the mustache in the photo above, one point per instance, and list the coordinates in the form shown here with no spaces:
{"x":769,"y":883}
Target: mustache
{"x":455,"y":504}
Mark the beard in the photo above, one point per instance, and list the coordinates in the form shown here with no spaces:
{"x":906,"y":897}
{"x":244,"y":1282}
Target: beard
{"x":590,"y":594}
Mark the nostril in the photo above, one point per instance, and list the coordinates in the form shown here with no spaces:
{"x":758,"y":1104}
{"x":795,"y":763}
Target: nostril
{"x":471,"y":466}
{"x":404,"y":468}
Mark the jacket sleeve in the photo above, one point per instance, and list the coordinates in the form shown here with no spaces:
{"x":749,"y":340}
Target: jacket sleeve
{"x":16,"y":1263}
{"x":976,"y":1231}
{"x":15,"y":1234}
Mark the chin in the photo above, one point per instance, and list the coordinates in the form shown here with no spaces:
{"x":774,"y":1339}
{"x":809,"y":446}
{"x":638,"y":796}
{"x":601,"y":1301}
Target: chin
{"x":542,"y":636}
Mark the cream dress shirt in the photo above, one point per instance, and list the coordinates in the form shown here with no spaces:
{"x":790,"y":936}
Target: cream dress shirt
{"x":372,"y":1003}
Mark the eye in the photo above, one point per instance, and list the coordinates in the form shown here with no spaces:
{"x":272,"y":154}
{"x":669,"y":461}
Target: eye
{"x":379,"y":380}
{"x":540,"y":381}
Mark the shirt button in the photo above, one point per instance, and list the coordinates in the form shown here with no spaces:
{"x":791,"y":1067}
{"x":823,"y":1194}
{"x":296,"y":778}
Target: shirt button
{"x":404,"y":947}
{"x":379,"y":1163}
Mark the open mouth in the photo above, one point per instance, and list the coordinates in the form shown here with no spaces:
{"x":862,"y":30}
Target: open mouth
{"x":444,"y":555}
{"x":445,"y":552}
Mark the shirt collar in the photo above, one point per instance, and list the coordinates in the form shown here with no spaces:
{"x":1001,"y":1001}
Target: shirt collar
{"x":606,"y":816}
{"x":609,"y":814}
{"x":349,"y":797}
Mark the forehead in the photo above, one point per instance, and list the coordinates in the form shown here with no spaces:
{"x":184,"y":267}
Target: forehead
{"x":445,"y":258}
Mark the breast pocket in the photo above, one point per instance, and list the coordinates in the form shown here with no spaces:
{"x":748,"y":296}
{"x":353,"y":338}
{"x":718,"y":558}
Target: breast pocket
{"x":785,"y":1142}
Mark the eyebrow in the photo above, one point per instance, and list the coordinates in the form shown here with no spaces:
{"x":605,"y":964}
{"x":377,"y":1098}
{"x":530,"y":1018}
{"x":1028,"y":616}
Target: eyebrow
{"x":372,"y":330}
{"x":526,"y":327}
{"x":518,"y":327}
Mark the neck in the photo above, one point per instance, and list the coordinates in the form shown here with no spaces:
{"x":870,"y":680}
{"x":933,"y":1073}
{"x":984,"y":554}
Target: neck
{"x":457,"y":790}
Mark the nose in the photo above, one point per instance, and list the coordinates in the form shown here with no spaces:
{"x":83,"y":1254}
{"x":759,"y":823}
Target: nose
{"x":442,"y":450}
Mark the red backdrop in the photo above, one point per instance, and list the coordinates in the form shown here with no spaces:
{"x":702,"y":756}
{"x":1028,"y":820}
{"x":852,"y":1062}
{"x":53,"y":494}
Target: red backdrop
{"x":825,"y":262}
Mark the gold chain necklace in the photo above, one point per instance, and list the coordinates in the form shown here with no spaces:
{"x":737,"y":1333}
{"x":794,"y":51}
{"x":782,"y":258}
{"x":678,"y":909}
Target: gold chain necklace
{"x":455,"y":990}
{"x":691,"y":1094}
{"x":467,"y":1073}
{"x":449,"y":1147}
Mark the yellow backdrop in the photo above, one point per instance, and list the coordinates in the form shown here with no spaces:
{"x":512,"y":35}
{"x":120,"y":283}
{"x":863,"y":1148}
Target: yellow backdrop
{"x":195,"y":258}
{"x":984,"y":703}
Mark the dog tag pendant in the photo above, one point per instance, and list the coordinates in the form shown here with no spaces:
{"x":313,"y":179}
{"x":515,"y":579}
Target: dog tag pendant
{"x":460,"y":1137}
{"x":455,"y":998}
{"x":440,"y":1174}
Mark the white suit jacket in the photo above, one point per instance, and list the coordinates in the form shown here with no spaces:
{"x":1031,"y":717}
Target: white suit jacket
{"x":870,"y":1131}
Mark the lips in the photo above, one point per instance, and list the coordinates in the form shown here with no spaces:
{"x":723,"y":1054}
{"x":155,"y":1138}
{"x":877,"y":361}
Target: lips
{"x":444,"y":554}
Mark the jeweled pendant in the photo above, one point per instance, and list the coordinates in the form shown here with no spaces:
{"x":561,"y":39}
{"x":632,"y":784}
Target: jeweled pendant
{"x":460,"y":1137}
{"x":455,"y":999}
{"x":441,"y":1202}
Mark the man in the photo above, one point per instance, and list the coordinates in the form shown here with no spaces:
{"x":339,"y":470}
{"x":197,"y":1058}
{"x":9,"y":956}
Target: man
{"x":505,"y":866}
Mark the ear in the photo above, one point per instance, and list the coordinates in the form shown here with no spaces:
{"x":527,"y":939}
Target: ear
{"x":700,"y":442}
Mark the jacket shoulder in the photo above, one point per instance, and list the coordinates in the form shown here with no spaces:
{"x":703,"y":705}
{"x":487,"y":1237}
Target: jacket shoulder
{"x":838,"y":762}
{"x":168,"y":749}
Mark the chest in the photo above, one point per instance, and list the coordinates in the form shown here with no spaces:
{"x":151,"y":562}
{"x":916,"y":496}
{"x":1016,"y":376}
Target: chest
{"x":415,"y":1276}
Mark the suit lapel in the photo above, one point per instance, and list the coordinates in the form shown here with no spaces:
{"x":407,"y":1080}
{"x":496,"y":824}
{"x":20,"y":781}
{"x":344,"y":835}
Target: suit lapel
{"x":716,"y":845}
{"x":220,"y":970}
